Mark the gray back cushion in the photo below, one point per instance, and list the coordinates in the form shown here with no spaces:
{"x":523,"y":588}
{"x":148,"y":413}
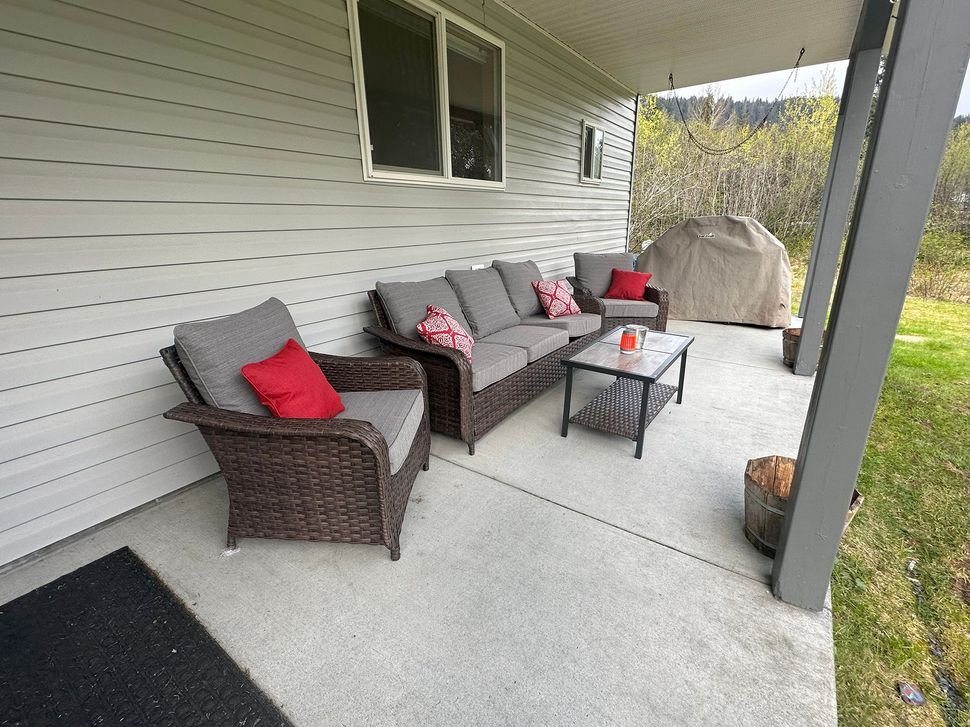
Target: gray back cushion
{"x":518,"y":278}
{"x":483,"y":299}
{"x":212,"y":352}
{"x":595,"y":271}
{"x":407,"y":304}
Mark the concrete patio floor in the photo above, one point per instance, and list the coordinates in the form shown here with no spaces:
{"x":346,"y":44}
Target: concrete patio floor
{"x":544,"y":581}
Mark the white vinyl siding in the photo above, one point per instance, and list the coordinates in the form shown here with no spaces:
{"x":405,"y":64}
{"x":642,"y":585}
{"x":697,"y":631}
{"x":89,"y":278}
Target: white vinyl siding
{"x":165,"y":162}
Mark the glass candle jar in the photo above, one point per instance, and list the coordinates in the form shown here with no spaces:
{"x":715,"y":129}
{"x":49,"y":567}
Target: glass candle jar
{"x":628,"y":340}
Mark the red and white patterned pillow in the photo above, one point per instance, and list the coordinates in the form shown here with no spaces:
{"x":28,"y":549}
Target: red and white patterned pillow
{"x":555,"y":298}
{"x":440,"y":329}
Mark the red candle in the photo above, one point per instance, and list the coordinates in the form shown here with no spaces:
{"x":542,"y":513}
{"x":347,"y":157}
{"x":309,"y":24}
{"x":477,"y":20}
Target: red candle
{"x":628,"y":341}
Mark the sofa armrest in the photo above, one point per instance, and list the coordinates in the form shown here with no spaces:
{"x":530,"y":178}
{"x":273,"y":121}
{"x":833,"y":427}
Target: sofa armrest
{"x":404,"y":346}
{"x":577,"y":288}
{"x":589,"y":304}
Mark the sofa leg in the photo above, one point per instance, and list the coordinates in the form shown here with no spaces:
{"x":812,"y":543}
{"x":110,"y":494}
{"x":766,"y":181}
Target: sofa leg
{"x":426,"y":466}
{"x":230,"y":541}
{"x":471,"y":448}
{"x":396,"y":553}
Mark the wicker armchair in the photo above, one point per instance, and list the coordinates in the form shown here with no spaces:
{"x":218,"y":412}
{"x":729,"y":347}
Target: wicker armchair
{"x":312,"y":479}
{"x":456,"y":410}
{"x":652,"y":293}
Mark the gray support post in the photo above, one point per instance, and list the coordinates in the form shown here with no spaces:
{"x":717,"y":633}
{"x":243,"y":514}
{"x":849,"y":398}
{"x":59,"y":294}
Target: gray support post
{"x":924,"y":72}
{"x":850,"y":132}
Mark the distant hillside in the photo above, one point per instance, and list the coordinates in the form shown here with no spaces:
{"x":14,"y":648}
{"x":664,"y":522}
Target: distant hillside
{"x":727,"y":110}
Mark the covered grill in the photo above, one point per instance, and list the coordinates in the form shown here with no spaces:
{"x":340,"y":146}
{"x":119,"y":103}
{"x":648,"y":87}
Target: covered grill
{"x":727,"y":269}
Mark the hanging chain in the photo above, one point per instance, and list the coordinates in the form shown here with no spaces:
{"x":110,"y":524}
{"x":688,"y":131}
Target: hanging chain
{"x":714,"y":151}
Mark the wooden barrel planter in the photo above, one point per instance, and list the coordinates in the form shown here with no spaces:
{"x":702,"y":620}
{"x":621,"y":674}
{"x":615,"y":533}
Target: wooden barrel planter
{"x":789,"y":345}
{"x":767,"y":482}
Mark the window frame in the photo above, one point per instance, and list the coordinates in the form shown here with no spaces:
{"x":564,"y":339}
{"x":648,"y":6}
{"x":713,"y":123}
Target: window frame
{"x":445,"y":179}
{"x":583,"y":179}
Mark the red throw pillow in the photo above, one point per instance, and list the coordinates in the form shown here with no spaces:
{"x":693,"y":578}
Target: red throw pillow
{"x":291,"y":386}
{"x":555,"y":298}
{"x":440,"y":329}
{"x":628,"y":285}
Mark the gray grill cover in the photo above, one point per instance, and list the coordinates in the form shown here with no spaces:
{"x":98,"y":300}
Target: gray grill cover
{"x":728,"y":269}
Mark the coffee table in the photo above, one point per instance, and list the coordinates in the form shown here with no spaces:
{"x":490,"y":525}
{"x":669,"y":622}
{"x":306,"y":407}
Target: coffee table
{"x":629,"y":404}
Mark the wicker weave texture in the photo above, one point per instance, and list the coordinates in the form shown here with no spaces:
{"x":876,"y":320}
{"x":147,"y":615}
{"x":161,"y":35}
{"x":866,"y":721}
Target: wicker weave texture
{"x":617,"y":408}
{"x":311,"y":479}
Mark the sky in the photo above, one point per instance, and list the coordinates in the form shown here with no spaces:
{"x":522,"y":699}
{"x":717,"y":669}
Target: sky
{"x":767,"y":85}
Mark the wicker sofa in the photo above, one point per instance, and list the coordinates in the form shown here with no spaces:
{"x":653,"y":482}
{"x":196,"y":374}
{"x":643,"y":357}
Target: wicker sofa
{"x":592,"y":280}
{"x":518,"y":350}
{"x":346,"y":479}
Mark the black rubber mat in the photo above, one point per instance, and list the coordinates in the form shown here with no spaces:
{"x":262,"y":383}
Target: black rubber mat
{"x":109,"y":644}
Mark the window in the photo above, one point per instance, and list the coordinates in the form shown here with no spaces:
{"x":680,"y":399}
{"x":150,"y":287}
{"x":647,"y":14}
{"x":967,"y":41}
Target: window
{"x":430,"y":95}
{"x":594,"y":146}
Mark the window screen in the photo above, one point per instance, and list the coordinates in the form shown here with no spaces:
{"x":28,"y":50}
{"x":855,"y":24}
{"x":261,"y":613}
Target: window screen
{"x":398,"y":49}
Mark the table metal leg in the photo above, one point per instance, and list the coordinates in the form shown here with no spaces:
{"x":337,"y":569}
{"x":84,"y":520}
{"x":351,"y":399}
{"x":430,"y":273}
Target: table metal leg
{"x":683,"y":369}
{"x":567,"y":398}
{"x":642,"y":427}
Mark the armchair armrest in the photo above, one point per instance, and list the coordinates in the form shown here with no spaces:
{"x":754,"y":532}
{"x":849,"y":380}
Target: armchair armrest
{"x":359,"y":373}
{"x":656,"y":295}
{"x":203,"y":415}
{"x":237,"y":440}
{"x":661,"y":297}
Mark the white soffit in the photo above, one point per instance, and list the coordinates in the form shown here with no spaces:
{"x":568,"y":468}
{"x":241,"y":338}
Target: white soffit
{"x":639,"y":42}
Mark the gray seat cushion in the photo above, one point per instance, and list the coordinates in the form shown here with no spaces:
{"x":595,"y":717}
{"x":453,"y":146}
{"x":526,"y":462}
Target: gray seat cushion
{"x":394,"y":413}
{"x":517,"y":278}
{"x":492,"y":362}
{"x":212,"y":352}
{"x":630,"y":308}
{"x":483,"y":299}
{"x":407,"y":303}
{"x":537,"y":341}
{"x":594,"y":271}
{"x":575,"y":325}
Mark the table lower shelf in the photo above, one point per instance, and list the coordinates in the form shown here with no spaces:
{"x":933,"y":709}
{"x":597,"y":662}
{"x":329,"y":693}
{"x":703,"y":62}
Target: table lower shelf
{"x":617,"y":409}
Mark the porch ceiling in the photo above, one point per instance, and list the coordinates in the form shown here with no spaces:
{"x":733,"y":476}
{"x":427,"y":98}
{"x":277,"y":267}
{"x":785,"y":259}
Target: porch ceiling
{"x":639,"y":42}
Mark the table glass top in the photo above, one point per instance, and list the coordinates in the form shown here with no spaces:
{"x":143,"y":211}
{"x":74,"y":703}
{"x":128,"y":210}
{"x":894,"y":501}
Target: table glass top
{"x":659,"y":351}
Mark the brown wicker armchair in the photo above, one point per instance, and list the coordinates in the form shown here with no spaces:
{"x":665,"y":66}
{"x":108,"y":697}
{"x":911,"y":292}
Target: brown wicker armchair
{"x":652,"y":293}
{"x":313,"y":479}
{"x":458,"y":411}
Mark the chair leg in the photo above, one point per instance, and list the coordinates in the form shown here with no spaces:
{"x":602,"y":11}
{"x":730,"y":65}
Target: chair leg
{"x":231,"y":541}
{"x":426,"y":466}
{"x":396,"y":553}
{"x":471,"y":448}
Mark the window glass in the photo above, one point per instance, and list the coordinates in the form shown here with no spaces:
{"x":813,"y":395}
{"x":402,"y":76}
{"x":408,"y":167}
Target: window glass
{"x":475,"y":106}
{"x":398,"y":49}
{"x":594,"y":141}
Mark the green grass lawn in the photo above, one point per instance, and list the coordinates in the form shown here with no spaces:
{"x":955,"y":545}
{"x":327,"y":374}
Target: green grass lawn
{"x":916,"y":482}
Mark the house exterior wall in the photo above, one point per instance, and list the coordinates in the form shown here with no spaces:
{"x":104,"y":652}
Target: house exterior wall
{"x":165,"y":162}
